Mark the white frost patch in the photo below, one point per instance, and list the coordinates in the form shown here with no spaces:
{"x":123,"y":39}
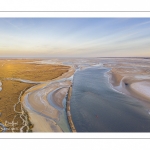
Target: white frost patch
{"x":142,"y":88}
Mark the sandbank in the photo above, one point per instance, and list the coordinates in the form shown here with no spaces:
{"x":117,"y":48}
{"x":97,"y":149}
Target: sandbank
{"x":141,"y":89}
{"x":130,"y":78}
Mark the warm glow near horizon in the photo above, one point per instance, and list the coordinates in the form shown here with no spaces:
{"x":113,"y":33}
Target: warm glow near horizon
{"x":75,"y":37}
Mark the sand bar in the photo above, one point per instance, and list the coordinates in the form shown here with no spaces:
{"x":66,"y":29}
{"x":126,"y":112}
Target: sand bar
{"x":141,"y":88}
{"x":130,"y":78}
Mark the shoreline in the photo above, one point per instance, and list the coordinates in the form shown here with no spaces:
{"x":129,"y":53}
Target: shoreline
{"x":47,"y":124}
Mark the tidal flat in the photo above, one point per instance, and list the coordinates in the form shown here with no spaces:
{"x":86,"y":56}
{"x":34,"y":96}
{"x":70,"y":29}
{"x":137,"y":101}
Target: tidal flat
{"x":107,"y":95}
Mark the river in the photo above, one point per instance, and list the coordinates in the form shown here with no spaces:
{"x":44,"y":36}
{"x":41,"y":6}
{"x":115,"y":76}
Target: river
{"x":96,"y":107}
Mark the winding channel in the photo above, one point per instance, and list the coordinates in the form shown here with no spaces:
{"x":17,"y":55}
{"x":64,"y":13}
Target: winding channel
{"x":45,"y":114}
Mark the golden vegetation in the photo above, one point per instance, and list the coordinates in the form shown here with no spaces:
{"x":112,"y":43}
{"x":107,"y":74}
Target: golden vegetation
{"x":9,"y":101}
{"x":11,"y":112}
{"x":30,"y":71}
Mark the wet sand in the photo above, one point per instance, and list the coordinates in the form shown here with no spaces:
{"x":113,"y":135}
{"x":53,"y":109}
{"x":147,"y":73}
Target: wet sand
{"x":58,"y":96}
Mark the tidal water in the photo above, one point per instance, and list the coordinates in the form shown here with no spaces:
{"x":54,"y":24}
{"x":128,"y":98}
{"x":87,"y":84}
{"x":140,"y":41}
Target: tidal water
{"x":96,"y":107}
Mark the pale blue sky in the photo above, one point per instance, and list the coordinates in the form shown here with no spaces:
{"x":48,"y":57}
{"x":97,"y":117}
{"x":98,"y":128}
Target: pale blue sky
{"x":75,"y":37}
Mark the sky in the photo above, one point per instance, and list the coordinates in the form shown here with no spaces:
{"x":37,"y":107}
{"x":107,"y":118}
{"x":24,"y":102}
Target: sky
{"x":74,"y":37}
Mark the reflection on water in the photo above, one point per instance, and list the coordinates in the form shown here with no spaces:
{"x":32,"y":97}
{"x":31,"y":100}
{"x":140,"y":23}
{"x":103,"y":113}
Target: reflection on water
{"x":95,"y":107}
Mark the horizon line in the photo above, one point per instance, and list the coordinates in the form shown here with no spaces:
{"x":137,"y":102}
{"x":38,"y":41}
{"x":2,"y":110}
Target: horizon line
{"x":19,"y":57}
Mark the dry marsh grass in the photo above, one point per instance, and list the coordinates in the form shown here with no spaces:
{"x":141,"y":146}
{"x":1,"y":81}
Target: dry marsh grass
{"x":12,"y":90}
